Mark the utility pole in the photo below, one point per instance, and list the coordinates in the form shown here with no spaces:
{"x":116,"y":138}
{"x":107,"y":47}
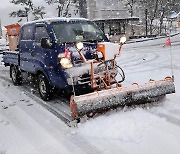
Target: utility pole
{"x":146,"y":19}
{"x":161,"y":20}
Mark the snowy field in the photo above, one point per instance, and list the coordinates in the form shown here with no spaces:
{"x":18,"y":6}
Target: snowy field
{"x":28,"y":128}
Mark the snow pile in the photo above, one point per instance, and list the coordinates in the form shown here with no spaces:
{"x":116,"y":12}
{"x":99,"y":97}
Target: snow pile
{"x":124,"y":126}
{"x":2,"y":44}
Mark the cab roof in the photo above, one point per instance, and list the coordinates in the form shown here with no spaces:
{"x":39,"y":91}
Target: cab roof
{"x":50,"y":20}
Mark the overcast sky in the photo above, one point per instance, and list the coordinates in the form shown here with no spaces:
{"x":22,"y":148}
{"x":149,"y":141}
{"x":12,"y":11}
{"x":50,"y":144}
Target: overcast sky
{"x":5,"y":8}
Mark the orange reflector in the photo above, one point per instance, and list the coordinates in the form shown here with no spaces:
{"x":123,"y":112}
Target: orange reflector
{"x":51,"y":67}
{"x":101,"y":48}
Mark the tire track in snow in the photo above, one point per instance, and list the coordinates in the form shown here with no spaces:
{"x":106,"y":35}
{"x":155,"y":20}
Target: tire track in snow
{"x":168,"y":118}
{"x":143,"y":49}
{"x":139,"y":57}
{"x":140,"y":62}
{"x":79,"y":141}
{"x":38,"y":100}
{"x":149,"y":60}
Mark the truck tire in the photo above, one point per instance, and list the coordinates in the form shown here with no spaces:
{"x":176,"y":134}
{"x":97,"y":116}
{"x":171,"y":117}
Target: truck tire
{"x":45,"y":89}
{"x":15,"y":75}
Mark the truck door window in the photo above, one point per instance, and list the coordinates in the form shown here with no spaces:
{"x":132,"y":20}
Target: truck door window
{"x":28,"y":32}
{"x":41,"y":32}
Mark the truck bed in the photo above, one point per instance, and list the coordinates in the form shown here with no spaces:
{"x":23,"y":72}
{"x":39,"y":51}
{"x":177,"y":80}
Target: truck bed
{"x":10,"y":57}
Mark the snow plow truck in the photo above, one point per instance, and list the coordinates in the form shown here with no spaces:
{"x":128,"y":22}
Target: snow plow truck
{"x":75,"y":55}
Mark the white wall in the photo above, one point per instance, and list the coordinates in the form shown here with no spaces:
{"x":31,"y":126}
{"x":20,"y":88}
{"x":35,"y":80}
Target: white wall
{"x":105,"y":9}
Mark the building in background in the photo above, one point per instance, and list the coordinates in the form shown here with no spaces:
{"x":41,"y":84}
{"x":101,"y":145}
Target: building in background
{"x":106,"y":9}
{"x":112,"y":17}
{"x":115,"y":28}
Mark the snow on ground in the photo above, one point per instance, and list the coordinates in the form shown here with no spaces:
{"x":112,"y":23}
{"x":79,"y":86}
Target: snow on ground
{"x":130,"y":126}
{"x":26,"y":127}
{"x":2,"y":44}
{"x":144,"y":127}
{"x":23,"y":129}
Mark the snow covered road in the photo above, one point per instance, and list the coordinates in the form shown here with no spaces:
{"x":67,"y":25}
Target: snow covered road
{"x":26,"y":127}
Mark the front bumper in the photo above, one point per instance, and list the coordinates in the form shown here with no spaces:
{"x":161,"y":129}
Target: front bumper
{"x":80,"y":75}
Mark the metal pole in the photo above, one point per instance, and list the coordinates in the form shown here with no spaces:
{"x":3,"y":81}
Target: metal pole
{"x":146,"y":32}
{"x":172,"y":72}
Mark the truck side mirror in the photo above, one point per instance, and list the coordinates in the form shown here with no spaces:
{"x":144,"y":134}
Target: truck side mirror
{"x":46,"y":43}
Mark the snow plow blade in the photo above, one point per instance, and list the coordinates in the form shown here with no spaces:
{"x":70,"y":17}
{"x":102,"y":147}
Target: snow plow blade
{"x":99,"y":101}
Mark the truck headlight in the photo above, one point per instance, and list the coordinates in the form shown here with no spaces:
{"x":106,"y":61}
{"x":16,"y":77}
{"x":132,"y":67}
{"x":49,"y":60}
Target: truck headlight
{"x":79,"y":46}
{"x":122,"y":39}
{"x":66,"y":63}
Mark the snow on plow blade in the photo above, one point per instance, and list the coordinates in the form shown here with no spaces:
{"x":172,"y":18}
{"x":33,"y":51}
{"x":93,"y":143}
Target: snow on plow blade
{"x":120,"y":96}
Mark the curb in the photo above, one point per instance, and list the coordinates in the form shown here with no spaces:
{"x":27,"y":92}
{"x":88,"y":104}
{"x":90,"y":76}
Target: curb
{"x":155,"y":38}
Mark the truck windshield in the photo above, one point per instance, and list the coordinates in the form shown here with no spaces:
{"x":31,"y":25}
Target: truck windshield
{"x":75,"y":31}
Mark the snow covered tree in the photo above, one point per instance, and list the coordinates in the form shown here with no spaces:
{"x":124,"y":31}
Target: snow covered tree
{"x":152,"y":9}
{"x":130,"y":5}
{"x":158,"y":9}
{"x":62,"y":6}
{"x":39,"y":12}
{"x":29,"y":7}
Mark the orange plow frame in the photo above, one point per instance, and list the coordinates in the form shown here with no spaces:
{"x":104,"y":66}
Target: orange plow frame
{"x":114,"y":94}
{"x":99,"y":101}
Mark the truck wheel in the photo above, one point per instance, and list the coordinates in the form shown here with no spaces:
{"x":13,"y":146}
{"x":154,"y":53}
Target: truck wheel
{"x":15,"y":75}
{"x":45,"y":89}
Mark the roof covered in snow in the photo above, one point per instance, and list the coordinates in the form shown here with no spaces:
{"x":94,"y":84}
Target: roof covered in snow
{"x":118,"y":19}
{"x":49,"y":20}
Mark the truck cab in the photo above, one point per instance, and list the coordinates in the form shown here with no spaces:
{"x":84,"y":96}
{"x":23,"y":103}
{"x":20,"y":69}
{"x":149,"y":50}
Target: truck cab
{"x":48,"y":50}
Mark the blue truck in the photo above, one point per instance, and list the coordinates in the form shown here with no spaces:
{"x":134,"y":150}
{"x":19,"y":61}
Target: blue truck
{"x":75,"y":55}
{"x":47,"y":50}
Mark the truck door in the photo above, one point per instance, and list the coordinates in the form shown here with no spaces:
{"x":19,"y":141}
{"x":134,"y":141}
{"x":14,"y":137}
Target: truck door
{"x":26,"y":48}
{"x":43,"y":57}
